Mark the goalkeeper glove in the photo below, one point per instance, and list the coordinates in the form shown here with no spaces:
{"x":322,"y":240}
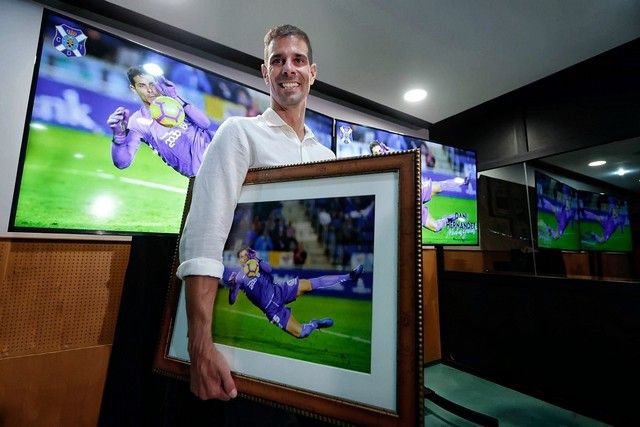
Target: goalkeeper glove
{"x":167,"y":88}
{"x":117,"y":121}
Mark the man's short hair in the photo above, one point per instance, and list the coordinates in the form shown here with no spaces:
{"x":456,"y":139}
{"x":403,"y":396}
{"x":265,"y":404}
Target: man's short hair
{"x":134,"y":71}
{"x":285,"y":31}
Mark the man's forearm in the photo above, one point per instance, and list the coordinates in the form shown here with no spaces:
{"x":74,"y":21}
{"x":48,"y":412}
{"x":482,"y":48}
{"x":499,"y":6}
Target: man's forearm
{"x":200,"y":295}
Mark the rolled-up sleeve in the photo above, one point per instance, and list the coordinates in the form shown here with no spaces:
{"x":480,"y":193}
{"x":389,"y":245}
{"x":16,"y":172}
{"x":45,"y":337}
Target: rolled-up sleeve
{"x":216,"y":190}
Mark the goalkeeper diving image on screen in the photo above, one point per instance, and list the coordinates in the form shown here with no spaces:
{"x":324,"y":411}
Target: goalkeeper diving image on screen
{"x":557,"y":209}
{"x":175,"y":130}
{"x":604,"y":223}
{"x":449,"y":181}
{"x":115,"y":130}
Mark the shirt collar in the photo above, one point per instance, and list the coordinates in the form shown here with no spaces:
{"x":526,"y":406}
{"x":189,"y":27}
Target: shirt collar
{"x":273,"y":119}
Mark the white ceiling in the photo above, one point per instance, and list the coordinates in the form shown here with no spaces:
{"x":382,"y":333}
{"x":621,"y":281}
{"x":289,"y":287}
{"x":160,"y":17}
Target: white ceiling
{"x":463,"y":52}
{"x":618,"y":155}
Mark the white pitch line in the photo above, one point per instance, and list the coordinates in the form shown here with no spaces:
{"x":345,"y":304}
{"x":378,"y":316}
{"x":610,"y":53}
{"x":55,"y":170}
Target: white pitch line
{"x":126,"y":180}
{"x":324,"y":330}
{"x":153,"y":185}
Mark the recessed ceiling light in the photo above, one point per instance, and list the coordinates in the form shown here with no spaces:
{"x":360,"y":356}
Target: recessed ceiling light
{"x":415,"y":95}
{"x":598,"y":163}
{"x":621,"y":172}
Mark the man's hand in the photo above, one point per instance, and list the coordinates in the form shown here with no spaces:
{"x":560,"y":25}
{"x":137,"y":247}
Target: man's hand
{"x":210,"y":373}
{"x":166,"y":87}
{"x":117,"y":121}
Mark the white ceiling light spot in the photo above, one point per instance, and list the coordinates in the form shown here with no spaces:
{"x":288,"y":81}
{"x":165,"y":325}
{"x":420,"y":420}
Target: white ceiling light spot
{"x":415,"y":95}
{"x":621,"y":172}
{"x":153,"y":69}
{"x":597,"y":163}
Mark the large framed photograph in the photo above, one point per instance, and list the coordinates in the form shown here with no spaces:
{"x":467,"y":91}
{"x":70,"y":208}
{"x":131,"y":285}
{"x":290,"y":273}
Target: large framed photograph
{"x":347,"y":232}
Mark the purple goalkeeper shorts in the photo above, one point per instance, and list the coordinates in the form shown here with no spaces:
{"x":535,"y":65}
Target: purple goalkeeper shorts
{"x":277,"y":311}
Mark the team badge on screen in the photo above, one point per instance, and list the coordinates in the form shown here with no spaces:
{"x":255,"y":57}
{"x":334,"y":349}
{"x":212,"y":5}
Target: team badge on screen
{"x":70,"y":41}
{"x":345,"y":134}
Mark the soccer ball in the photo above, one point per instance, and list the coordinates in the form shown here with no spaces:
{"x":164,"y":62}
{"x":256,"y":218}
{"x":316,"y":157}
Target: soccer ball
{"x":167,"y":111}
{"x":252,"y":268}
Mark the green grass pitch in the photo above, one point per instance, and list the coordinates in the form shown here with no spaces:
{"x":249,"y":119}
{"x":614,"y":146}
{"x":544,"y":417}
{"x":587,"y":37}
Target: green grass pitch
{"x":440,"y":206}
{"x":618,"y":241}
{"x":570,"y":239}
{"x":347,"y":344}
{"x":69,"y":182}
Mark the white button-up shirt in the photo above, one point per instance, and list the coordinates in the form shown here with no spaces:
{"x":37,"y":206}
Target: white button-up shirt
{"x":239,"y":144}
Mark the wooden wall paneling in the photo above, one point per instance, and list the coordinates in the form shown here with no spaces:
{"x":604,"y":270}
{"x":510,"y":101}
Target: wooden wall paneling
{"x":430,"y":310}
{"x":576,"y":264}
{"x":59,"y":301}
{"x":59,"y":295}
{"x":469,"y":261}
{"x":616,"y":266}
{"x":54,"y":389}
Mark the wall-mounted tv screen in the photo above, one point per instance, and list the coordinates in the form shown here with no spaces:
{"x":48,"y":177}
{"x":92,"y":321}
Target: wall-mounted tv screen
{"x":557,"y":213}
{"x":322,"y":127}
{"x":604,"y":223}
{"x":108,"y":145}
{"x":449,"y":180}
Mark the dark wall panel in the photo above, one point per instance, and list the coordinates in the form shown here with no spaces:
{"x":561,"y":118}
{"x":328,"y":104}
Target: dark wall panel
{"x":494,"y":131}
{"x":591,"y":103}
{"x":573,"y":343}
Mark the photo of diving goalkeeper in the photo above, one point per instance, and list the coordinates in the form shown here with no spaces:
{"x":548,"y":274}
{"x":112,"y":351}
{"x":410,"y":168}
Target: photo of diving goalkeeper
{"x":255,"y":279}
{"x":271,"y":303}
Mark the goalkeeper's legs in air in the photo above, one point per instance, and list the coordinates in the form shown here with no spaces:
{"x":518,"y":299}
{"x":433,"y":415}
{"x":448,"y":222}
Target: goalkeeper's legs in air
{"x":285,"y":321}
{"x":436,"y":225}
{"x":307,"y":285}
{"x":303,"y":330}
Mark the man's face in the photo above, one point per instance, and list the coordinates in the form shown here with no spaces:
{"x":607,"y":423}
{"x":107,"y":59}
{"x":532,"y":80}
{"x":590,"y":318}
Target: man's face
{"x":376,"y":149}
{"x":287,"y":71}
{"x":145,"y":86}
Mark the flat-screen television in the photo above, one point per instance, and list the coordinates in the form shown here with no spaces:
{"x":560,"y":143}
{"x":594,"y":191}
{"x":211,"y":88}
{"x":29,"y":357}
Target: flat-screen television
{"x":322,"y":127}
{"x":604,"y":223}
{"x":449,"y":180}
{"x":557,"y":214}
{"x":71,"y":178}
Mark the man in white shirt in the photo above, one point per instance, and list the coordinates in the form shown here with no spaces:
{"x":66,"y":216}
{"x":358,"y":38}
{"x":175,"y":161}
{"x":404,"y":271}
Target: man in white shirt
{"x":277,"y":137}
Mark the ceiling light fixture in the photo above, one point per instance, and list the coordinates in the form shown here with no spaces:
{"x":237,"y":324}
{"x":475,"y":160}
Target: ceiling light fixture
{"x":598,"y":163}
{"x":621,"y":172}
{"x":415,"y":95}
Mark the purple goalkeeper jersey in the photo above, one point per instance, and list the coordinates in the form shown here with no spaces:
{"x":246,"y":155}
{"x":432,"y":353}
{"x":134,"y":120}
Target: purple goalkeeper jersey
{"x":181,"y":147}
{"x":610,"y":224}
{"x":563,"y":216}
{"x":261,"y":290}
